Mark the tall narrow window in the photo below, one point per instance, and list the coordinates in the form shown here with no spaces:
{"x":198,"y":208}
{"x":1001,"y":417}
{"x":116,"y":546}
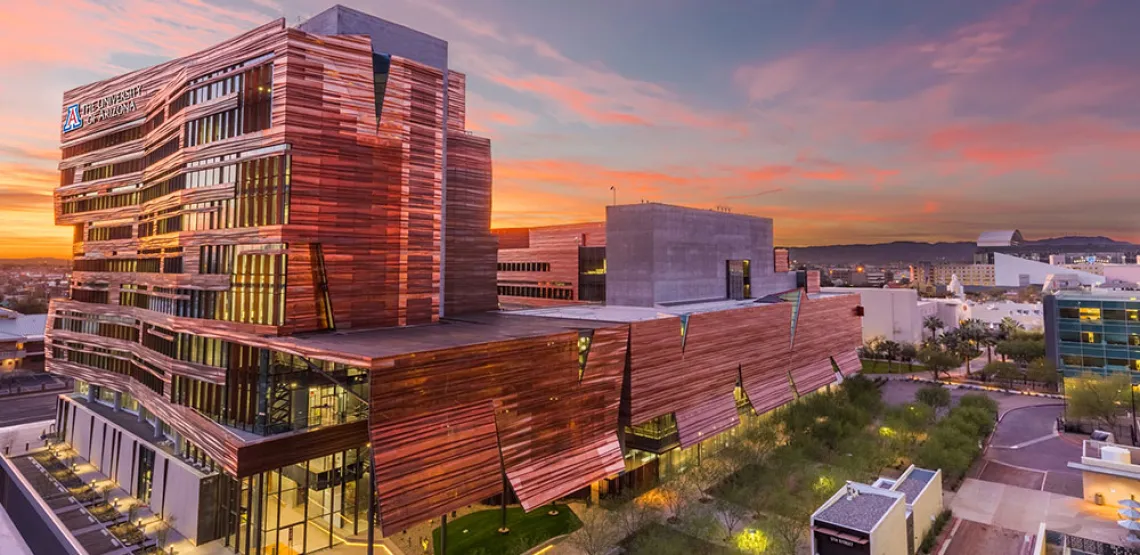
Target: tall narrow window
{"x":257,"y":99}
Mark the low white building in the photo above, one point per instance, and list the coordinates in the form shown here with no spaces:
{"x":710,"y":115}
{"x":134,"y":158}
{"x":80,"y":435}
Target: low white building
{"x":898,"y":314}
{"x":1011,"y":271}
{"x":1029,"y":315}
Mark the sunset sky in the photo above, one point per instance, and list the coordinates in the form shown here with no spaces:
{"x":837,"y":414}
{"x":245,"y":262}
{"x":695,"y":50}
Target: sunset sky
{"x":846,"y":121}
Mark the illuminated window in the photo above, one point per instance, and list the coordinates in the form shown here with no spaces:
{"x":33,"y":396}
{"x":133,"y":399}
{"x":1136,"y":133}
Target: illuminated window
{"x":1090,"y":314}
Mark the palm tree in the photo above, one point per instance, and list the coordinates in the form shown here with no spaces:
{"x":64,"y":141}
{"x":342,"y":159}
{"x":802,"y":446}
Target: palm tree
{"x":990,"y":339}
{"x":974,"y":333}
{"x":890,"y":351}
{"x":907,"y":353}
{"x":1009,"y":327}
{"x":933,"y":323}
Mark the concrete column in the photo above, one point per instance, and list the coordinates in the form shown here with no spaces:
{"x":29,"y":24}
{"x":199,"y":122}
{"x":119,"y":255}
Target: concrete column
{"x":141,"y":414}
{"x":90,"y":393}
{"x":118,"y":401}
{"x":157,"y":428}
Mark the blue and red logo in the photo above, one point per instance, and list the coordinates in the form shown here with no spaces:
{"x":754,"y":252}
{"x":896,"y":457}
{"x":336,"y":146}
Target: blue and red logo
{"x":73,"y":120}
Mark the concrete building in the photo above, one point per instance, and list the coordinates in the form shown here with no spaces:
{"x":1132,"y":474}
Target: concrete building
{"x":21,"y":339}
{"x":653,"y":256}
{"x":928,"y":274}
{"x":1013,"y":271}
{"x":1110,"y":472}
{"x":890,"y":517}
{"x":898,"y":314}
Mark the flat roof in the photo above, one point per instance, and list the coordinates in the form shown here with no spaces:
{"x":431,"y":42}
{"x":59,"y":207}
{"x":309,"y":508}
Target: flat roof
{"x":914,"y":483}
{"x":1097,"y":294}
{"x":626,"y":314}
{"x":14,"y":325}
{"x":860,"y":512}
{"x":378,"y":343}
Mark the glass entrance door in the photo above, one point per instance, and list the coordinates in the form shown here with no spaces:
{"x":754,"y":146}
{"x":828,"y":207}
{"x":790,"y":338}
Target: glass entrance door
{"x":145,"y":474}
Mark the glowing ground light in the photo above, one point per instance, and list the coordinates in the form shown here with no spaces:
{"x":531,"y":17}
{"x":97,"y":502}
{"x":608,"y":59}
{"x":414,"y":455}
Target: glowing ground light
{"x":824,"y":483}
{"x":752,"y":541}
{"x":886,"y":432}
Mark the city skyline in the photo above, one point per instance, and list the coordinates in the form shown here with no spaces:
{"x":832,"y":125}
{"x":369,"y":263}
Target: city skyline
{"x":844,"y":124}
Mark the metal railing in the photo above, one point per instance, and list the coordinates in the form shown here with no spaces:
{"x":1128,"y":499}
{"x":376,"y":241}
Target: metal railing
{"x":1085,"y":546}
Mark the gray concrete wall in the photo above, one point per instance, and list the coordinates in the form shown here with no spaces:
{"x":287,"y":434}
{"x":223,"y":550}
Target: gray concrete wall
{"x":656,"y":253}
{"x":180,"y":487}
{"x":387,"y":37}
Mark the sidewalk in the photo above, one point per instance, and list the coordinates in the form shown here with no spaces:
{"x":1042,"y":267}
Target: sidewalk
{"x":1024,"y":510}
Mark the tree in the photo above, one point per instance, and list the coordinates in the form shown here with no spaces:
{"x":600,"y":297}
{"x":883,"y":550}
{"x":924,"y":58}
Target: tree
{"x":730,"y":516}
{"x":1022,"y":347}
{"x":1009,"y":326}
{"x":933,"y":396}
{"x":889,"y":350}
{"x":937,"y":360}
{"x":675,"y":495}
{"x":989,"y":339}
{"x":630,"y":514}
{"x":1099,"y":398}
{"x":1002,"y":371}
{"x":1043,"y":370}
{"x":708,"y":474}
{"x":908,"y":353}
{"x":599,"y":532}
{"x":790,"y":528}
{"x":970,"y":334}
{"x":933,"y":323}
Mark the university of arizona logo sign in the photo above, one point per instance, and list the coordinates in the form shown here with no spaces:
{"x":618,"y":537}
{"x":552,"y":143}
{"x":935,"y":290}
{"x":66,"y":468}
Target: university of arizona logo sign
{"x":74,"y":120}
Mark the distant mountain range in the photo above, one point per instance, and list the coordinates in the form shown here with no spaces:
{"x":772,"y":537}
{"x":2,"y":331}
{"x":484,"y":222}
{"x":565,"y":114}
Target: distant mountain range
{"x":911,"y":251}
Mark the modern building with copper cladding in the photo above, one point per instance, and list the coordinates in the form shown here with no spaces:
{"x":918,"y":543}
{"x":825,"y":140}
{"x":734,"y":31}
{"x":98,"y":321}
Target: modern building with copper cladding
{"x":551,"y":265}
{"x":283,"y":306}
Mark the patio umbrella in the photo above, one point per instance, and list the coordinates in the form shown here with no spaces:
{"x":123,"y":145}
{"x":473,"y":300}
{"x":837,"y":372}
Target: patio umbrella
{"x":1130,"y":525}
{"x":1132,"y":503}
{"x":1129,"y":513}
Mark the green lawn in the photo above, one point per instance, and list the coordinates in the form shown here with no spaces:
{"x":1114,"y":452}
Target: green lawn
{"x":478,"y":533}
{"x":880,"y":367}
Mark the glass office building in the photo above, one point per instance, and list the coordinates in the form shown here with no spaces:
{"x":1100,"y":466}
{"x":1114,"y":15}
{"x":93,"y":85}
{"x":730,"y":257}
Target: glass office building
{"x":1094,"y":331}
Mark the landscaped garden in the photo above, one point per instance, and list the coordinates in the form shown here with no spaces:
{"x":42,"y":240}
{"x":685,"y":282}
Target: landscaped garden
{"x":757,"y":495}
{"x":94,"y":502}
{"x":478,"y":533}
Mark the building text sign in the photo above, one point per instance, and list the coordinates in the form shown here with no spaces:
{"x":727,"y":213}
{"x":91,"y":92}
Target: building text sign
{"x":110,"y":106}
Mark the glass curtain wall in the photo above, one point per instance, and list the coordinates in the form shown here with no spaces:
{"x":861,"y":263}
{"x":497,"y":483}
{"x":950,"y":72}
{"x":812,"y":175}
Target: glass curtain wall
{"x":1099,"y":336}
{"x":300,"y":508}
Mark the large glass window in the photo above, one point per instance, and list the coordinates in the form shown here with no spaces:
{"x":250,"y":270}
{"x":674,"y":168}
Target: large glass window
{"x":300,"y":508}
{"x":1089,"y":314}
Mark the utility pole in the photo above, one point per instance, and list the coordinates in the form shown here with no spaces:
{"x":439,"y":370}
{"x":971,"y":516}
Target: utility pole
{"x":614,"y":189}
{"x":443,"y":535}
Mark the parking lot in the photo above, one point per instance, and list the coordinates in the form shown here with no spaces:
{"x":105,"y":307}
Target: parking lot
{"x":1025,"y":451}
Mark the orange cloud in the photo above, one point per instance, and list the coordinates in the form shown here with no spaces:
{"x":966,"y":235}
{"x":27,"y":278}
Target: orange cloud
{"x":590,"y":107}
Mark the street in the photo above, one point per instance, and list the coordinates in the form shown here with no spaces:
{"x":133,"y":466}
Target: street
{"x":22,"y":409}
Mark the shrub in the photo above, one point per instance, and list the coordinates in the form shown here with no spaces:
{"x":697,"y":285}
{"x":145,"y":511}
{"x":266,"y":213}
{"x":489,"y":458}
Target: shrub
{"x":933,"y":396}
{"x":981,"y":401}
{"x":932,"y":535}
